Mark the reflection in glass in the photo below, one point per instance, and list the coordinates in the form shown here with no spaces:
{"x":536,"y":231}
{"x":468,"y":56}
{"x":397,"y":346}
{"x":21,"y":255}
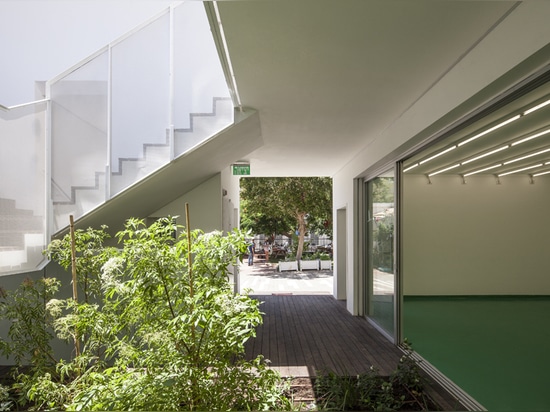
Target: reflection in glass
{"x":380,"y":241}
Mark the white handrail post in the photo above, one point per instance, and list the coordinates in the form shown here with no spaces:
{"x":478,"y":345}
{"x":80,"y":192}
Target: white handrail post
{"x":48,"y":203}
{"x":172,"y":82}
{"x":108,"y":166}
{"x":171,"y":141}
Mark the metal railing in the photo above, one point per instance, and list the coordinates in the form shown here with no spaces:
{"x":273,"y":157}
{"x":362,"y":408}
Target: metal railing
{"x":110,"y":121}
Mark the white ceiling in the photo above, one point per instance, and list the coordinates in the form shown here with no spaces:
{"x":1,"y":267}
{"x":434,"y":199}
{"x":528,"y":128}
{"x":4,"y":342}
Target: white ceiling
{"x":329,"y":76}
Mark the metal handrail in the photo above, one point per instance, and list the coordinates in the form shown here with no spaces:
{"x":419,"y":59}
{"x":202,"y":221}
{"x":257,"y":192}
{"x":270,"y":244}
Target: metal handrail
{"x":17,"y":106}
{"x":218,"y":33}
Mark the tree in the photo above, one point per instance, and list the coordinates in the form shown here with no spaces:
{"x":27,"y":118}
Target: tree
{"x":382,"y":190}
{"x":305,"y":201}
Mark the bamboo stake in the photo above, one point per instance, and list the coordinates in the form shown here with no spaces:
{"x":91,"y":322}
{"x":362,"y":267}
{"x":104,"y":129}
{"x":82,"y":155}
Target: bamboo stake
{"x":190,"y":270}
{"x":73,"y":266}
{"x":194,"y":347}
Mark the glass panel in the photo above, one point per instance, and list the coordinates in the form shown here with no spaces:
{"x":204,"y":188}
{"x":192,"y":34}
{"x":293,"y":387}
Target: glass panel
{"x":202,"y":101}
{"x":380,"y":243}
{"x":79,"y":140}
{"x":140,"y":104}
{"x":22,"y":192}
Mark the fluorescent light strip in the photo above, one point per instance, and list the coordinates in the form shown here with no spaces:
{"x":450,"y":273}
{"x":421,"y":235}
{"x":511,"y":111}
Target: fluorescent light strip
{"x":538,"y":106}
{"x":437,"y":155}
{"x":411,"y":167}
{"x":444,"y":170}
{"x":520,"y":170}
{"x":527,"y":156}
{"x":541,"y":173}
{"x":498,"y":126}
{"x":531,"y":137}
{"x":483,"y":170}
{"x":486,"y":154}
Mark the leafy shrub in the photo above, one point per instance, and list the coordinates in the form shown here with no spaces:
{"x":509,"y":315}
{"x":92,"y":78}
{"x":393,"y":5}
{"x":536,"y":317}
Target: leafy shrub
{"x":159,"y":327}
{"x":5,"y":401}
{"x":402,"y":390}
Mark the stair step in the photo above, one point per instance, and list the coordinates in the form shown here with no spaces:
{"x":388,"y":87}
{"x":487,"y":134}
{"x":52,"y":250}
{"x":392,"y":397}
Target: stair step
{"x":131,"y":170}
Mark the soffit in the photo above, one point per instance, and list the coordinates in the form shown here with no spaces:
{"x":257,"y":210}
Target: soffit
{"x":328,"y":76}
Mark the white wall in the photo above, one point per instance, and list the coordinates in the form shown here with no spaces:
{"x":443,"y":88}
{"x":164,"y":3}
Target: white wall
{"x":479,"y":238}
{"x":43,"y":38}
{"x":231,"y":200}
{"x":524,"y":32}
{"x":205,"y":206}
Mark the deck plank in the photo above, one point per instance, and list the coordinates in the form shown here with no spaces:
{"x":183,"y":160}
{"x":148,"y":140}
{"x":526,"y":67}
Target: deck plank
{"x":306,"y":334}
{"x":316,"y":332}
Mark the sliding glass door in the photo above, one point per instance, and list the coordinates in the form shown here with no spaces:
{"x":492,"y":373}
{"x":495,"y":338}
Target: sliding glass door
{"x":380,"y":263}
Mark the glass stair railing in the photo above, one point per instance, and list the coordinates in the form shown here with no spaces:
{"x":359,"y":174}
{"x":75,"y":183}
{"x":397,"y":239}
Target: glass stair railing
{"x":109,"y":122}
{"x":22,"y":187}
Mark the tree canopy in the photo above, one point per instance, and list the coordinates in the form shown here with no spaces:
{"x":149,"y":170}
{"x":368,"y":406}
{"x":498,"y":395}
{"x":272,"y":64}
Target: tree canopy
{"x":283,"y":205}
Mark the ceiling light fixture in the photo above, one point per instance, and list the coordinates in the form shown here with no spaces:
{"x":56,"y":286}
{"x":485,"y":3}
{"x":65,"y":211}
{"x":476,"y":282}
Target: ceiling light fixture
{"x":443,"y":170}
{"x":520,"y":170}
{"x":437,"y":155}
{"x":535,"y":108}
{"x":498,"y":126}
{"x":486,"y":154}
{"x":527,"y":156}
{"x":541,"y":173}
{"x":483,"y":170}
{"x":531,"y":137}
{"x":411,"y":167}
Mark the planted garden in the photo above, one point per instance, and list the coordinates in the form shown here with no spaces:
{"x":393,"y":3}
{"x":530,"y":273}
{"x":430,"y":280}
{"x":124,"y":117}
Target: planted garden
{"x":156,"y":327}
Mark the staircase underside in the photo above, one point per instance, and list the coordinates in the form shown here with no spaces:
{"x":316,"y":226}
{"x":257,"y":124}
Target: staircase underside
{"x":179,"y":176}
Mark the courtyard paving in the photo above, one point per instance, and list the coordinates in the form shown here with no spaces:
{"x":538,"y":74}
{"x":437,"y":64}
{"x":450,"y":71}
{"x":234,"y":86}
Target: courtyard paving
{"x":264,"y":278}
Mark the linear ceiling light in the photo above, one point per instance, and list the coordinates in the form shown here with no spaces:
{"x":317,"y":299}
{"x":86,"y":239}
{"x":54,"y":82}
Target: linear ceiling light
{"x":437,"y":155}
{"x":531,"y":137}
{"x":520,"y":170}
{"x":498,"y":126}
{"x":541,"y":173}
{"x":411,"y":167}
{"x":535,"y":108}
{"x":486,"y":154}
{"x":483,"y":170}
{"x":443,"y":170}
{"x":527,"y":156}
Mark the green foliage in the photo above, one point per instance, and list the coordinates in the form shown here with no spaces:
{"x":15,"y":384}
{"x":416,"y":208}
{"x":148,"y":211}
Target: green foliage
{"x":382,"y":190}
{"x":402,"y":390}
{"x":30,"y":322}
{"x":383,"y":244}
{"x":271,"y":226}
{"x":160,"y":328}
{"x":91,"y":255}
{"x":6,"y":403}
{"x":288,"y":204}
{"x":318,"y":256}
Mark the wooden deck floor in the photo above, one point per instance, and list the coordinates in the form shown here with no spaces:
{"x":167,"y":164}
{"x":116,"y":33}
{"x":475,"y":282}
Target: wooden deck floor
{"x":304,"y":334}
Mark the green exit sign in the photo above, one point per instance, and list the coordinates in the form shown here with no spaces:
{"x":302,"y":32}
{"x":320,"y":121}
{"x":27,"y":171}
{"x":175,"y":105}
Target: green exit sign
{"x":241,"y":170}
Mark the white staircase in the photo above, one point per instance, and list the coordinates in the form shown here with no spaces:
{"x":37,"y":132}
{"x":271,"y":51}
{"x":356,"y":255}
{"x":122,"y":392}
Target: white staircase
{"x":21,"y":237}
{"x":85,"y":198}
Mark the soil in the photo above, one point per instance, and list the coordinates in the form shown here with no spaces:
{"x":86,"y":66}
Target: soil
{"x":302,"y":393}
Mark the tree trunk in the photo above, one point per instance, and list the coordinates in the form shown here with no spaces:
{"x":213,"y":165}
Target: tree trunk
{"x":301,"y":234}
